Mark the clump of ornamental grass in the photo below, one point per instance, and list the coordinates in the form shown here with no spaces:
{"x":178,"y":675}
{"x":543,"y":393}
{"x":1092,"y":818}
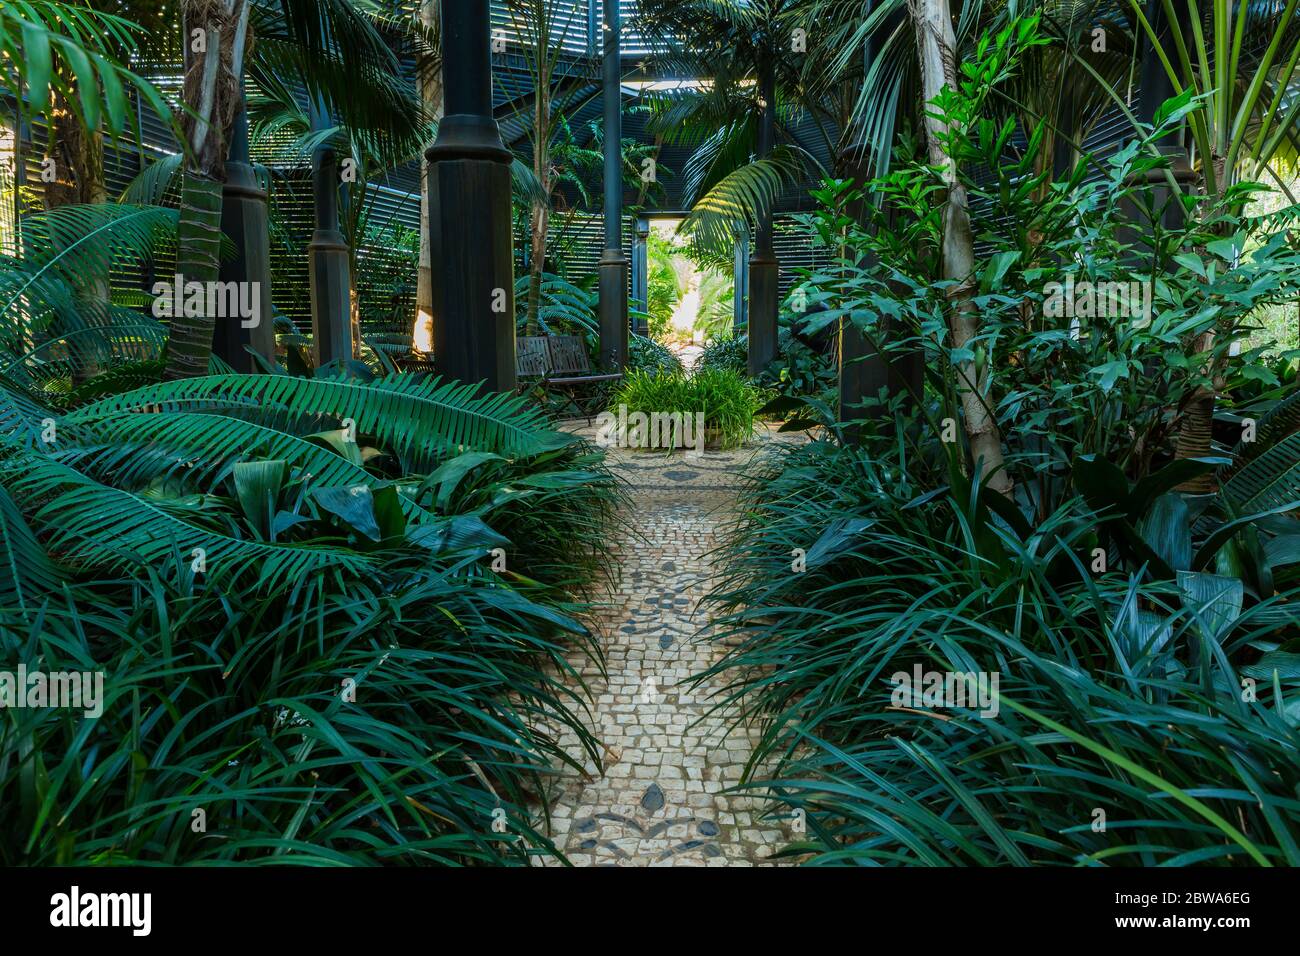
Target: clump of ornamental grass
{"x":726,"y":400}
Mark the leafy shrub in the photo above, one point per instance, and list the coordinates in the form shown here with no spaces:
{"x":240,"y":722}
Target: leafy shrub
{"x":729,"y":352}
{"x":1121,"y":689}
{"x":234,"y":558}
{"x":802,"y":366}
{"x":651,"y":356}
{"x":1115,"y":384}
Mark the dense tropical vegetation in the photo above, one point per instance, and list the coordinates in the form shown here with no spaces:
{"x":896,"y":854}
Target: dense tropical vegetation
{"x":1033,"y":383}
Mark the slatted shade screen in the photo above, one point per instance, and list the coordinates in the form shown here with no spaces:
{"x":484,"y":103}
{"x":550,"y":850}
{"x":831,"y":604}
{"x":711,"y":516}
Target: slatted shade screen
{"x":795,"y":250}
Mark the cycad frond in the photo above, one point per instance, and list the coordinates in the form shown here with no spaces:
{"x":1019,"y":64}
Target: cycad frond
{"x":422,"y":420}
{"x":92,"y":346}
{"x":26,"y":572}
{"x":205,"y":444}
{"x":88,"y":240}
{"x":91,"y":525}
{"x":151,"y":185}
{"x":1269,"y":480}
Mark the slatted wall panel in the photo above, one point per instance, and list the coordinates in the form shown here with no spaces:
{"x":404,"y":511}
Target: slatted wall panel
{"x":292,"y":224}
{"x":584,"y":244}
{"x":512,"y":19}
{"x":386,"y":273}
{"x":794,"y":251}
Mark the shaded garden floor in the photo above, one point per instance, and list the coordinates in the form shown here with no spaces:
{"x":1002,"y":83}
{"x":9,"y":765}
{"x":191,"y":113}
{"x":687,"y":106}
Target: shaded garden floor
{"x":668,"y":759}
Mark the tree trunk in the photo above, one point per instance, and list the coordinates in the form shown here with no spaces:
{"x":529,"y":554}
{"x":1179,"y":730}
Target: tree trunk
{"x":216,"y":33}
{"x":541,"y":220}
{"x":430,"y":81}
{"x":1196,"y":429}
{"x":541,"y":217}
{"x":936,"y":45}
{"x":78,"y":155}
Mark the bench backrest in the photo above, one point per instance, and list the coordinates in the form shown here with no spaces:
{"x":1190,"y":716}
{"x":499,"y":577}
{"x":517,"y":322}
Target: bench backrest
{"x":531,"y":357}
{"x":569,"y":355}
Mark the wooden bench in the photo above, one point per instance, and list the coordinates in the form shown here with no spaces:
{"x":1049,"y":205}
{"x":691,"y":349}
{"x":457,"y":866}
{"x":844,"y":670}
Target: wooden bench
{"x":557,"y":361}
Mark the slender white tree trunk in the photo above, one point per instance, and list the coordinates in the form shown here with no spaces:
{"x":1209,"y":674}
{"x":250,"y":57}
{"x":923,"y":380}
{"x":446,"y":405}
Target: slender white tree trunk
{"x":936,"y":46}
{"x":430,"y":81}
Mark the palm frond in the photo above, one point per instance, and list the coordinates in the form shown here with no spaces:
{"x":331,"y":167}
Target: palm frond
{"x":721,"y":217}
{"x":1268,"y":480}
{"x":74,"y":50}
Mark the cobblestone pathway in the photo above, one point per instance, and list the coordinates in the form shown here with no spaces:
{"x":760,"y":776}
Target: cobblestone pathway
{"x":659,"y":802}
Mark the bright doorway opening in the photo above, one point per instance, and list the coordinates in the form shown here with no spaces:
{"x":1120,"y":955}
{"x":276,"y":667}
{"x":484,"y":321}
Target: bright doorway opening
{"x":690,"y":299}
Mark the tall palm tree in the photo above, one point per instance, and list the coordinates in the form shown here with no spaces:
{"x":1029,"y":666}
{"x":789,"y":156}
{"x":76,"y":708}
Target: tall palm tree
{"x":1069,"y":84}
{"x":741,"y":49}
{"x":349,"y":65}
{"x":1242,"y":61}
{"x":70,"y":65}
{"x":217,"y":34}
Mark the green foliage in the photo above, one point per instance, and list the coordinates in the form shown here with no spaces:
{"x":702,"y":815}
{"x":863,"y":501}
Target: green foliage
{"x":726,"y":399}
{"x":1075,"y":369}
{"x":564,"y":308}
{"x":1115,"y":693}
{"x":385,"y":276}
{"x":664,"y":285}
{"x":801,"y":369}
{"x":77,"y":53}
{"x":730,"y":352}
{"x":652,"y":357}
{"x":238,"y":555}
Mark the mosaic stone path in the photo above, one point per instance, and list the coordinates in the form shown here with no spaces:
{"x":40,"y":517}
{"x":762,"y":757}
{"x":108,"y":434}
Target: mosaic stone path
{"x":659,"y":801}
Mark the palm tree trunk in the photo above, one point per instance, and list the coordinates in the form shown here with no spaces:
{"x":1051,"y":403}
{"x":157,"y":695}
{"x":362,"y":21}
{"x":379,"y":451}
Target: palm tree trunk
{"x":541,"y":217}
{"x":430,"y":81}
{"x":936,"y":45}
{"x":1195,"y":437}
{"x":216,"y":33}
{"x":78,"y":155}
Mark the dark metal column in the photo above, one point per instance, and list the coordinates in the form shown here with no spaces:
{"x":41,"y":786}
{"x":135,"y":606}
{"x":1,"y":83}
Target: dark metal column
{"x":763,"y":269}
{"x":469,"y":236}
{"x":740,"y":319}
{"x":244,"y":219}
{"x":613,"y":264}
{"x":327,"y":257}
{"x":1156,"y":87}
{"x":641,"y":273}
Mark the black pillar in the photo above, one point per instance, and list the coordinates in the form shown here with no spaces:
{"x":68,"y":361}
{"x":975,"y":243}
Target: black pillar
{"x":244,"y":220}
{"x":328,"y":268}
{"x":640,"y":273}
{"x":867,"y":367}
{"x":740,"y":320}
{"x":1156,"y":87}
{"x":613,"y":264}
{"x":469,"y":236}
{"x":762,"y":262}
